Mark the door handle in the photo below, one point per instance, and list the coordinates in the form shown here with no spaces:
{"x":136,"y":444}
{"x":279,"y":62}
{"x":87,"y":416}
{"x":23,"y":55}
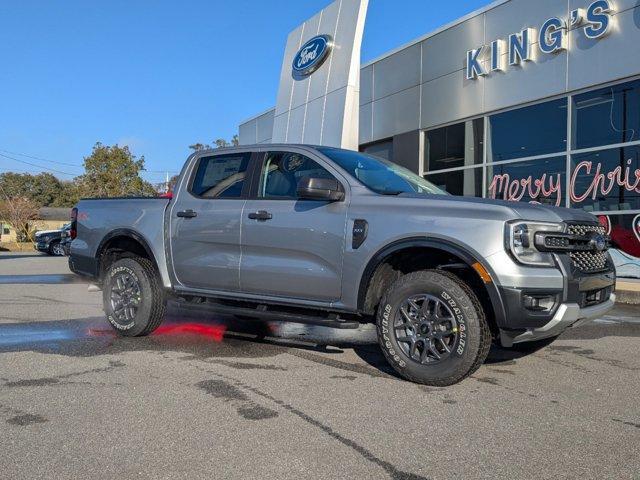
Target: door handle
{"x":187,"y":214}
{"x":261,"y":215}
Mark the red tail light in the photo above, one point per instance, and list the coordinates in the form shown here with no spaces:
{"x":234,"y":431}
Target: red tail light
{"x":73,"y":231}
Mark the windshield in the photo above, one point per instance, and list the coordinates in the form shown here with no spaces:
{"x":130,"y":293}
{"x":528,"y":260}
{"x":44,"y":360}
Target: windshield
{"x":379,"y":175}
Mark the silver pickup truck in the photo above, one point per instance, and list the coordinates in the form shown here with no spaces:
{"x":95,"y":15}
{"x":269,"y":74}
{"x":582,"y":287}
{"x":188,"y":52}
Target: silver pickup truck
{"x":333,"y":237}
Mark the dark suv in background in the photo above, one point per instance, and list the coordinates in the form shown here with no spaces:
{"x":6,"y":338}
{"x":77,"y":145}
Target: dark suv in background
{"x":50,"y":241}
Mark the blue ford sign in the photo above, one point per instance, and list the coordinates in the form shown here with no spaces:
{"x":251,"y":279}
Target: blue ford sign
{"x":311,"y":55}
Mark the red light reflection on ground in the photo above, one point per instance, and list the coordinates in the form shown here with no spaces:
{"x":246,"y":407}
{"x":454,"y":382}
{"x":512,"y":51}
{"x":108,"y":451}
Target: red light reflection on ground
{"x":214,"y":332}
{"x":95,"y":332}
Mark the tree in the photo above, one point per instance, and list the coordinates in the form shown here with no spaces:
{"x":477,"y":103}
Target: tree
{"x":18,"y":212}
{"x":44,"y":189}
{"x":219,"y":143}
{"x":70,"y":194}
{"x":196,"y":147}
{"x":172,"y":182}
{"x":113,"y":171}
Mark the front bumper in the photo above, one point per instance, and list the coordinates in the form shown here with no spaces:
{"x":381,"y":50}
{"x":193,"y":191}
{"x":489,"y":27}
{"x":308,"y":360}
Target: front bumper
{"x":567,"y":315}
{"x":582,"y":296}
{"x":41,"y":246}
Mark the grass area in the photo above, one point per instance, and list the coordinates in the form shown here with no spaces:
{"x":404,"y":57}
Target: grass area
{"x":16,"y":247}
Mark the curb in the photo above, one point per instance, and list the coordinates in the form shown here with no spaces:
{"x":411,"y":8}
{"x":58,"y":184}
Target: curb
{"x":628,"y":291}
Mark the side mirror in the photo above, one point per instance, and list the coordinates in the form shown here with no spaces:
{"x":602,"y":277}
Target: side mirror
{"x":327,"y":189}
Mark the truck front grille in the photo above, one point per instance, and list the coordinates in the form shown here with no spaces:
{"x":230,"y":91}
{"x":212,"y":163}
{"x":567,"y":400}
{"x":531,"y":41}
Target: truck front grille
{"x":588,"y":261}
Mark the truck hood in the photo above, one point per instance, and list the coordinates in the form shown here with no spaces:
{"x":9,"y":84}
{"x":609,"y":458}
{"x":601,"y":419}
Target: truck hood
{"x":509,"y":210}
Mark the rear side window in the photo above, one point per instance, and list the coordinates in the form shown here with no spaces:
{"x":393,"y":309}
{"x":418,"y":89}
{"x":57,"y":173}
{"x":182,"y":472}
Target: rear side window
{"x":221,"y":176}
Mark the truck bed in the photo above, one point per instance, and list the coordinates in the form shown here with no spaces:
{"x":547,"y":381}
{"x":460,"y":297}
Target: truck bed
{"x":102,"y":219}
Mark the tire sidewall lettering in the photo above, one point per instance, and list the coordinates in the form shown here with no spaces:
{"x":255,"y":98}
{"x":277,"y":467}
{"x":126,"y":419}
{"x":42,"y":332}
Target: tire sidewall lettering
{"x":384,"y":327}
{"x":460,"y":319}
{"x":110,"y":317}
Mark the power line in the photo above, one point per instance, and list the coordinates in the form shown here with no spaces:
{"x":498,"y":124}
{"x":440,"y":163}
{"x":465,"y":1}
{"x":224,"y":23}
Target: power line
{"x":64,"y":163}
{"x":39,"y":166}
{"x":40,"y":158}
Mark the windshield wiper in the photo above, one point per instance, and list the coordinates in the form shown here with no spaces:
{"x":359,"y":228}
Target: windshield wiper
{"x":391,"y":192}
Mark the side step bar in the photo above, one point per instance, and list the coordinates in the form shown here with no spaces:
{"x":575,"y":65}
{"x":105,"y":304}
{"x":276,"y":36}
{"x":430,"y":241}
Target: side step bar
{"x":333,"y":320}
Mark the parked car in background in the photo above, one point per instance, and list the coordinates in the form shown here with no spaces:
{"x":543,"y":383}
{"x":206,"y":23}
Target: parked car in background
{"x":49,"y":241}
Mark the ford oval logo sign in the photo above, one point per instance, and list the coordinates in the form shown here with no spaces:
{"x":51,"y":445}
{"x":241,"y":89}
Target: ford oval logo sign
{"x":311,"y":55}
{"x":598,"y":243}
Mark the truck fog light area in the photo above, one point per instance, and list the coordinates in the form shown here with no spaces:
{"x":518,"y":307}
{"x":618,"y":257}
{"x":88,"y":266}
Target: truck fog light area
{"x":539,"y":303}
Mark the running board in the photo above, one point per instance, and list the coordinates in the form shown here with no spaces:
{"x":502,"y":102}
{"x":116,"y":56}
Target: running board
{"x":261,"y":311}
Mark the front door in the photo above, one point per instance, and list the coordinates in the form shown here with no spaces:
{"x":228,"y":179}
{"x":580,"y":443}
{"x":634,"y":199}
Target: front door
{"x":291,"y":247}
{"x":205,"y":223}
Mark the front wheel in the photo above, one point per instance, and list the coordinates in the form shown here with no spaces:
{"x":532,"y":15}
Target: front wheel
{"x":432,"y":329}
{"x":133,"y":298}
{"x":56,"y":249}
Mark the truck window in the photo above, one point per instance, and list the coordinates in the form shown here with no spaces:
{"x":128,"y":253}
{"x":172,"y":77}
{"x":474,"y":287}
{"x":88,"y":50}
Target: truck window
{"x":221,"y":176}
{"x":380,"y":175}
{"x":281,"y":172}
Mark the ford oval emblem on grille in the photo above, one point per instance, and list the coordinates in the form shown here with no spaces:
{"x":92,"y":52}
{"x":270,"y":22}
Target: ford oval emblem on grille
{"x":311,"y":55}
{"x":598,"y":242}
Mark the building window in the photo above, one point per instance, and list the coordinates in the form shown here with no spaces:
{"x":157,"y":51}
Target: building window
{"x":459,"y":145}
{"x":625,"y":236}
{"x":527,"y":132}
{"x":540,"y":181}
{"x":467,"y":182}
{"x":606,"y":180}
{"x":382,"y":149}
{"x":527,"y":159}
{"x":607,"y":116}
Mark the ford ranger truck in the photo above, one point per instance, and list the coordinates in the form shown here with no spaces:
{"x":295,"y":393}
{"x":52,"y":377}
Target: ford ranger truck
{"x":333,"y":237}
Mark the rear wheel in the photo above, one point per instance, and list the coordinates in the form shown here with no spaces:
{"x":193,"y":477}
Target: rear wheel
{"x":432,"y":329}
{"x":133,"y":298}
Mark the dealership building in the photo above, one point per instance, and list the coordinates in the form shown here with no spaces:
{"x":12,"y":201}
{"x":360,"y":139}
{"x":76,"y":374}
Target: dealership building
{"x":523,"y":100}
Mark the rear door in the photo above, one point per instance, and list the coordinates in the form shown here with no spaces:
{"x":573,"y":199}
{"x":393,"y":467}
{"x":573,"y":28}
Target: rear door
{"x":205,"y":222}
{"x":292,"y":247}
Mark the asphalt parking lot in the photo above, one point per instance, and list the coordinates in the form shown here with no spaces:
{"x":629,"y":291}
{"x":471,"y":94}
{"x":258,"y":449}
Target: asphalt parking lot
{"x":217,"y":397}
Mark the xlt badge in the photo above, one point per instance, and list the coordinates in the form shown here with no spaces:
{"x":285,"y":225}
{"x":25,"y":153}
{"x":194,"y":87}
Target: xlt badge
{"x":360,"y":230}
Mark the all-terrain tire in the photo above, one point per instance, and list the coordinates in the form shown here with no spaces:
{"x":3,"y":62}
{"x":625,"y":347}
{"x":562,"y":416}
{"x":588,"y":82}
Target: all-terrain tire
{"x":152,"y":299}
{"x":471,"y":345}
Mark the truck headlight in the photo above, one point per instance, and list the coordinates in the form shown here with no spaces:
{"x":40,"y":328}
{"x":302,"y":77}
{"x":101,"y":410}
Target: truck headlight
{"x":520,"y":242}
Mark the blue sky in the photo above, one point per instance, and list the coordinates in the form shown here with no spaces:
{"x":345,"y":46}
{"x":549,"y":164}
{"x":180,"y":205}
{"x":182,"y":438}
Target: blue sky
{"x":158,"y":75}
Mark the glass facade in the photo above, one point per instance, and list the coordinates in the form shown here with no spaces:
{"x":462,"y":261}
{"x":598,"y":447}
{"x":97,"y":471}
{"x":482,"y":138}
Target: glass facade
{"x":454,"y":146}
{"x":383,"y":149}
{"x":607,"y":116}
{"x":466,"y":182}
{"x":606,"y":180}
{"x":541,"y":181}
{"x":526,"y":132}
{"x":580,"y":151}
